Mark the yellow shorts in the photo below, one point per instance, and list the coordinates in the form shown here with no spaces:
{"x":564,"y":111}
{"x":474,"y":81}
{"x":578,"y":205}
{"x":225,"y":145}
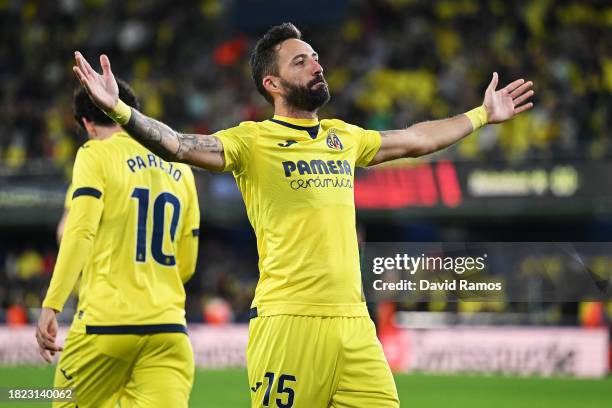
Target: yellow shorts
{"x":137,"y":370}
{"x":318,"y":362}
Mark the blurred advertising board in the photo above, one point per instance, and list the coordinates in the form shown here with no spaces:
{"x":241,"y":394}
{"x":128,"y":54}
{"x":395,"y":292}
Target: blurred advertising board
{"x":418,"y":188}
{"x":444,"y":187}
{"x":400,"y":189}
{"x":213,"y":346}
{"x":488,"y":350}
{"x":535,"y":351}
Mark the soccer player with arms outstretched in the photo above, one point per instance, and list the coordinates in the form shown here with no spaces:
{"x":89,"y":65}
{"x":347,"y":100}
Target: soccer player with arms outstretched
{"x":311,"y":342}
{"x":132,"y":235}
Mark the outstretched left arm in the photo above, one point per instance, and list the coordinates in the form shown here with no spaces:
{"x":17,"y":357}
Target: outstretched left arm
{"x":428,"y":137}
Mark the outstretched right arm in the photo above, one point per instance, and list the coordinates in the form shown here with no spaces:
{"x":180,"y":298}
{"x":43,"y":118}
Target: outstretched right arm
{"x":204,"y":151}
{"x":199,"y":150}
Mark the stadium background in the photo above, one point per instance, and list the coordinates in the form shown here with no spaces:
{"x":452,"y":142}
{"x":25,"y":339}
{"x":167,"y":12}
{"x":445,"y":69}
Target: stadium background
{"x":541,"y":177}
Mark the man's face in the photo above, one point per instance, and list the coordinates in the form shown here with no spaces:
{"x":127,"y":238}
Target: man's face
{"x":301,"y":77}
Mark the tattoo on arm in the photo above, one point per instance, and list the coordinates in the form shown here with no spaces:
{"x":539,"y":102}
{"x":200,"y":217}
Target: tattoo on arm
{"x":190,"y":142}
{"x":167,"y":143}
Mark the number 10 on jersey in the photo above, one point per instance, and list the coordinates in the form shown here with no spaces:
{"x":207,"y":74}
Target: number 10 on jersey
{"x":159,"y":220}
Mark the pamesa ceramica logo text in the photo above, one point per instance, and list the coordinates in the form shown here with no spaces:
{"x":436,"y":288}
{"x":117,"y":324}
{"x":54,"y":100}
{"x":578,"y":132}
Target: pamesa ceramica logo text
{"x":318,"y":174}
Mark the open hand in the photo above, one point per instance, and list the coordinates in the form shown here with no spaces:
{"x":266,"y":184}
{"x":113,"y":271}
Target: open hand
{"x":503,"y":104}
{"x":102,"y":89}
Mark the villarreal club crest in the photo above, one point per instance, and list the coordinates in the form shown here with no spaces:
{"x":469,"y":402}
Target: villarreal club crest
{"x":333,"y":141}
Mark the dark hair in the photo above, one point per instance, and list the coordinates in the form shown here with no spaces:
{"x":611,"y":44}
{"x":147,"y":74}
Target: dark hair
{"x":83,"y":107}
{"x":263,"y":58}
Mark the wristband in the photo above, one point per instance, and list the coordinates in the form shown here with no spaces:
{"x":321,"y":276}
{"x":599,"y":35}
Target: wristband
{"x":120,"y":113}
{"x":478,"y":117}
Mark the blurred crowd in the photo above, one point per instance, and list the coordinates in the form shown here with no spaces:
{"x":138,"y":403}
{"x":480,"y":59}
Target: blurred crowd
{"x":221,"y":289}
{"x":25,"y":274}
{"x":223,"y":285}
{"x":389,"y":63}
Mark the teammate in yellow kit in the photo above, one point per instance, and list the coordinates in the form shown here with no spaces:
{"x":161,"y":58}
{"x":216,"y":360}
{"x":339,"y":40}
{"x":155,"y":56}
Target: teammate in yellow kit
{"x":311,"y":341}
{"x":132,"y":230}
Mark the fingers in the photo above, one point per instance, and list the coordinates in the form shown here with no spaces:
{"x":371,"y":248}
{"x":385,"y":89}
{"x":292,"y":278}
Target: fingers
{"x":46,"y":345}
{"x":493,"y":83}
{"x":42,"y":350}
{"x":45,"y":355}
{"x":80,"y":69}
{"x":521,"y":89}
{"x":80,"y":63}
{"x":519,"y":95}
{"x":522,"y":98}
{"x":513,"y":85}
{"x":82,"y":79}
{"x":106,"y":67}
{"x":84,"y":65}
{"x":80,"y":75}
{"x":523,"y":108}
{"x":45,"y":352}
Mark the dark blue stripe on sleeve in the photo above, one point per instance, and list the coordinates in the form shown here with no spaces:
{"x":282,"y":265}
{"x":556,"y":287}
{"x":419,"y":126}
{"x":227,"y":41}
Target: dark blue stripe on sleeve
{"x":195,"y":232}
{"x":86,"y":191}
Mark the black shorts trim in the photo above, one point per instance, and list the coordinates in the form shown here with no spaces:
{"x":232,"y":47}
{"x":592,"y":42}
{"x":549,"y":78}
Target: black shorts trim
{"x":137,"y":329}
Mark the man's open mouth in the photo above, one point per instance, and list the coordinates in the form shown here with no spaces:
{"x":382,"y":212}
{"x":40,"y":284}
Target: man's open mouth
{"x":317,"y":81}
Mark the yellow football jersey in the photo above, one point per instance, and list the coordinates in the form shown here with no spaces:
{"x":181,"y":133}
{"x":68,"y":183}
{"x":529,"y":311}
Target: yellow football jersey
{"x":141,"y":216}
{"x":296,"y":177}
{"x":68,"y":198}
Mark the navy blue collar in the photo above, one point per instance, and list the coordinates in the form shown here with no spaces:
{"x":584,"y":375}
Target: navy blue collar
{"x":312,"y":130}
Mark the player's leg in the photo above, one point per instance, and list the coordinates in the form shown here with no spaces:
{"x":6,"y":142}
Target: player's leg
{"x":365,"y":377}
{"x":291,"y":361}
{"x":162,"y":375}
{"x":96,"y":367}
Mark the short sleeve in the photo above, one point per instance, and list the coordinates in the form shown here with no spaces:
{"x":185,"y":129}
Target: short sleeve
{"x":368,"y":145}
{"x":88,"y":175}
{"x":236,"y":145}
